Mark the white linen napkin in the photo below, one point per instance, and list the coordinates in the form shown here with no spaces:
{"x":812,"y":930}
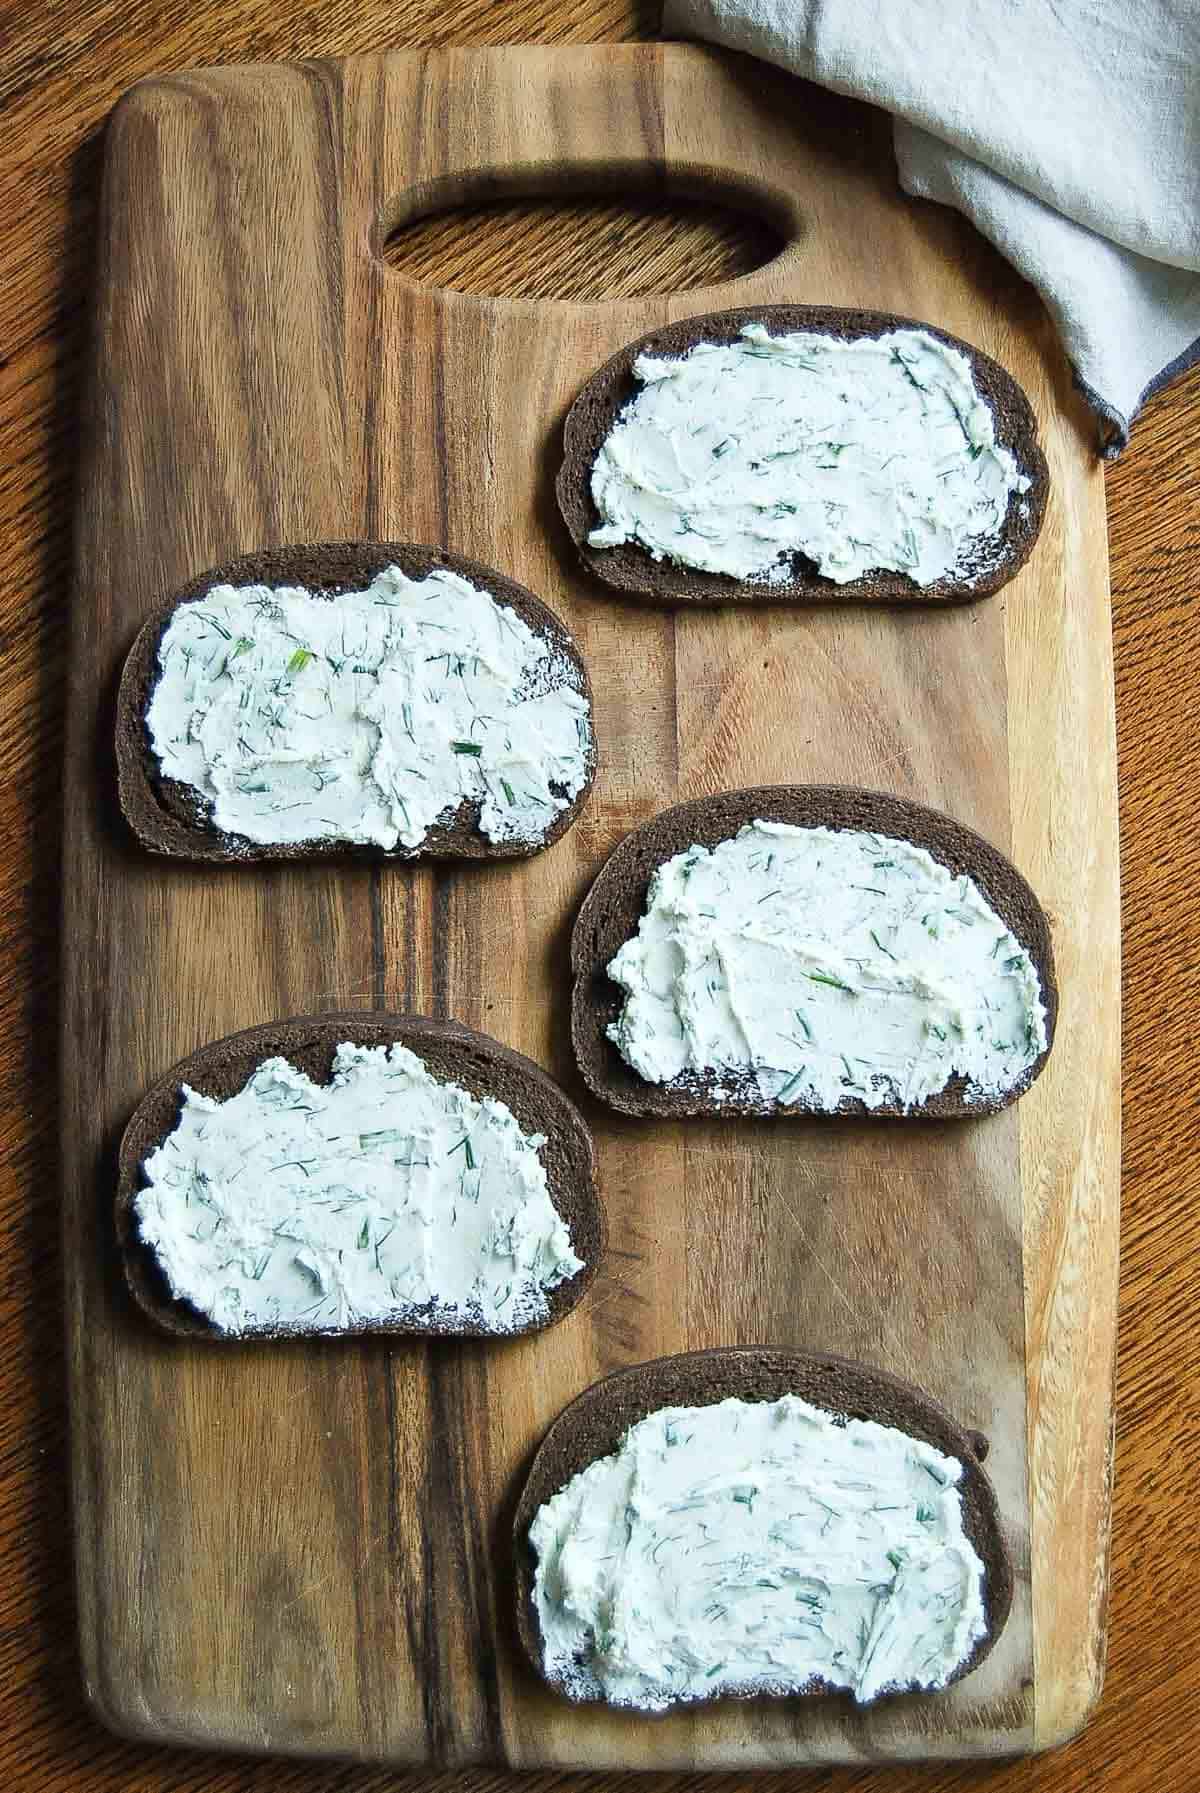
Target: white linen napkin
{"x":1068,"y":131}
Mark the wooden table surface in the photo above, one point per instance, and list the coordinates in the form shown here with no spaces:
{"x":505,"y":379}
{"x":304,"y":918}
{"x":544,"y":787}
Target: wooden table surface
{"x":63,"y":63}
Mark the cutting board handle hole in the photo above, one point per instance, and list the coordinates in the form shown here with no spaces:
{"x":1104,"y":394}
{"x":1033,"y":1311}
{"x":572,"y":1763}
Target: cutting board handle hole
{"x":587,"y":234}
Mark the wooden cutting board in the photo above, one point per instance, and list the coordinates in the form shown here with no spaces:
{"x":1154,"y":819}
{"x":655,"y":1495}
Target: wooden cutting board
{"x":304,"y":1548}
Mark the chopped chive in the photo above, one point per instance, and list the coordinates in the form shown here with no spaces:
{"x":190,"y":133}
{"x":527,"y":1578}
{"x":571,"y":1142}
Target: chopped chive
{"x":473,"y":748}
{"x":835,"y":983}
{"x":898,"y":358}
{"x":791,"y":1084}
{"x":465,"y":1144}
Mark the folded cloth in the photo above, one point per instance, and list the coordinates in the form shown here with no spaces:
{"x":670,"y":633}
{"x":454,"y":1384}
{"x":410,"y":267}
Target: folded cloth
{"x":1068,"y":131}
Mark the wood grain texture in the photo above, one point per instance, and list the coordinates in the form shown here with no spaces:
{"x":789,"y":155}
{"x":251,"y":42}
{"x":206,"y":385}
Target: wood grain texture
{"x":64,"y":65}
{"x":263,"y":377}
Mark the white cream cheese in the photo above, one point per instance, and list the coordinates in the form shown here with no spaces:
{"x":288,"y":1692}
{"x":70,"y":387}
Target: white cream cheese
{"x":384,"y":1194}
{"x":367,"y":717}
{"x":753,"y":1547}
{"x":816,"y":965}
{"x":876,"y":453}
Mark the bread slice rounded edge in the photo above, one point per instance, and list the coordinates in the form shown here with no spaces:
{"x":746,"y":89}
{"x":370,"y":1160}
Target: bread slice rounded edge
{"x":630,"y":570}
{"x":597,"y":1420}
{"x":452,"y":1053}
{"x":614,"y":906}
{"x":170,"y":817}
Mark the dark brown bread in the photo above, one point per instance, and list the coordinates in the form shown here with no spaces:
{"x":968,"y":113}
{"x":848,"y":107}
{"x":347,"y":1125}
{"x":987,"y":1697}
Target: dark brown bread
{"x":170,"y":817}
{"x":635,"y":573}
{"x":615,"y":904}
{"x":452,"y":1053}
{"x":597,"y":1420}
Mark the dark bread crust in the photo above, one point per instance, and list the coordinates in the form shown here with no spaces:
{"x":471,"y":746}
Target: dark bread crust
{"x":170,"y":817}
{"x":597,"y":1420}
{"x":614,"y":906}
{"x":452,"y":1053}
{"x":633,"y":571}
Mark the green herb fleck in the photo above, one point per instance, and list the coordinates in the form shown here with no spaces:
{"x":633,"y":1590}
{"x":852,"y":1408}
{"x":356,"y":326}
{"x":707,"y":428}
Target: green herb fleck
{"x":465,"y":1145}
{"x":835,"y":983}
{"x":898,"y":358}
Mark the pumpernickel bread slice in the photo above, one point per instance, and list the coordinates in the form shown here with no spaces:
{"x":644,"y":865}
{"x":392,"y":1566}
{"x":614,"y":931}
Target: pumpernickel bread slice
{"x":631,"y":570}
{"x":595,"y":1423}
{"x":451,"y":1053}
{"x":615,"y":904}
{"x":173,"y":818}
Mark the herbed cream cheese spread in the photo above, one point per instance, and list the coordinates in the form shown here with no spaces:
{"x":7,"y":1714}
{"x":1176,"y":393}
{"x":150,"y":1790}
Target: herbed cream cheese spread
{"x":753,"y":1547}
{"x":810,"y":966}
{"x":877,"y":453}
{"x":385,"y":1194}
{"x":367,"y":717}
